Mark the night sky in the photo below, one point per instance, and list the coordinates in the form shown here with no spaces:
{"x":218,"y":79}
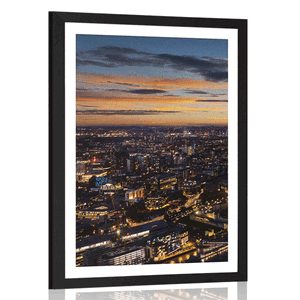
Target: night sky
{"x":151,"y":81}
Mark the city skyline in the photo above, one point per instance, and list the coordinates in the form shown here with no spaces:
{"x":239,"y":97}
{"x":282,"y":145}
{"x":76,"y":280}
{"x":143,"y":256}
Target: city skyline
{"x":151,"y":195}
{"x":150,"y":81}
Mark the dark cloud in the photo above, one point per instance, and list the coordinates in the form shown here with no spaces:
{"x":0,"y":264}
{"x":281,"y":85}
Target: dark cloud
{"x":212,"y":100}
{"x":196,"y":92}
{"x":110,"y":56}
{"x":123,"y":83}
{"x":87,"y":62}
{"x":207,"y":93}
{"x":213,"y":69}
{"x":124,"y":112}
{"x":215,"y":95}
{"x":113,"y":50}
{"x":216,"y":75}
{"x":138,"y":91}
{"x":210,"y":68}
{"x":146,"y":91}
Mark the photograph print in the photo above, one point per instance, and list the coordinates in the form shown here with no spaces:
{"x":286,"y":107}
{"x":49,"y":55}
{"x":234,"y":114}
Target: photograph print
{"x":148,"y":150}
{"x":151,"y":150}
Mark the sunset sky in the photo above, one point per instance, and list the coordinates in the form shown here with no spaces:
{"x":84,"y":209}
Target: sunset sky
{"x":151,"y":81}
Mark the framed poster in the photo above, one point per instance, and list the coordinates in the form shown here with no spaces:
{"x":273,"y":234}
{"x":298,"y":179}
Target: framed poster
{"x":148,"y":150}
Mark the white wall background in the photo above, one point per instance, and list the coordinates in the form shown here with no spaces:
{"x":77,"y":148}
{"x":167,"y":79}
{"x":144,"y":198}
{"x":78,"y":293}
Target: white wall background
{"x":274,"y":150}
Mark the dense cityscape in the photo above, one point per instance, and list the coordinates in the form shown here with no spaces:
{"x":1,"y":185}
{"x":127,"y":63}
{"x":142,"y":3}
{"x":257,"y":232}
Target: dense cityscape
{"x":151,"y":195}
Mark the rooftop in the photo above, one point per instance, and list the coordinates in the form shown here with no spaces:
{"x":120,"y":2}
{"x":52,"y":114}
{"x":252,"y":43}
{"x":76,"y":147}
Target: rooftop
{"x":91,"y":240}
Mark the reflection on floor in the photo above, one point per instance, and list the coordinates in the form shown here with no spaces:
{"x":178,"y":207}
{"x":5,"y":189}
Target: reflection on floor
{"x":215,"y":291}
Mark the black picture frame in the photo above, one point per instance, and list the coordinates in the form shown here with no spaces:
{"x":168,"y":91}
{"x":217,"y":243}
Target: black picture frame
{"x":57,"y":112}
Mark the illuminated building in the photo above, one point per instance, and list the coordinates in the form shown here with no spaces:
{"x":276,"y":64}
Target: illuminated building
{"x":87,"y":177}
{"x":92,"y":214}
{"x":123,"y":256}
{"x":210,"y":233}
{"x":155,"y":202}
{"x":96,"y":168}
{"x":92,"y":242}
{"x":80,"y":168}
{"x":143,"y":230}
{"x":167,"y":181}
{"x":108,"y":187}
{"x":134,"y":235}
{"x":190,"y":150}
{"x":206,"y":219}
{"x":133,"y":195}
{"x":167,"y":243}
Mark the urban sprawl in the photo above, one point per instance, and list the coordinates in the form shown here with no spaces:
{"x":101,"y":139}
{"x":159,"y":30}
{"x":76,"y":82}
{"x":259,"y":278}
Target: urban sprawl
{"x":151,"y":195}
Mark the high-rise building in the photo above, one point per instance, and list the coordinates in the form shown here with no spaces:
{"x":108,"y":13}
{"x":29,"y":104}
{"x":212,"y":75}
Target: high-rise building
{"x":121,"y":157}
{"x":134,"y":195}
{"x":129,"y":164}
{"x":190,"y":150}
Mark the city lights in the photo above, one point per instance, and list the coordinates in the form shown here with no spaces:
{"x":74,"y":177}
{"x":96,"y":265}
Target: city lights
{"x":151,"y":195}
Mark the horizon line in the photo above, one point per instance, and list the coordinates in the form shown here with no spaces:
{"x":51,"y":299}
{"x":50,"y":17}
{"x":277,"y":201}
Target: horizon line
{"x":126,"y":125}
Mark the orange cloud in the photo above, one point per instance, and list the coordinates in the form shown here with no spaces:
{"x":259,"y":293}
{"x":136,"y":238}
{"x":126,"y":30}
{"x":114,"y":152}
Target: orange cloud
{"x":188,"y":111}
{"x":150,"y":82}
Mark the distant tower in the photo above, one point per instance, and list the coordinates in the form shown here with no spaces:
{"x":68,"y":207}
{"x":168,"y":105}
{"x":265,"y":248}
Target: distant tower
{"x":190,"y":150}
{"x":129,"y":165}
{"x":121,"y":157}
{"x":186,"y":146}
